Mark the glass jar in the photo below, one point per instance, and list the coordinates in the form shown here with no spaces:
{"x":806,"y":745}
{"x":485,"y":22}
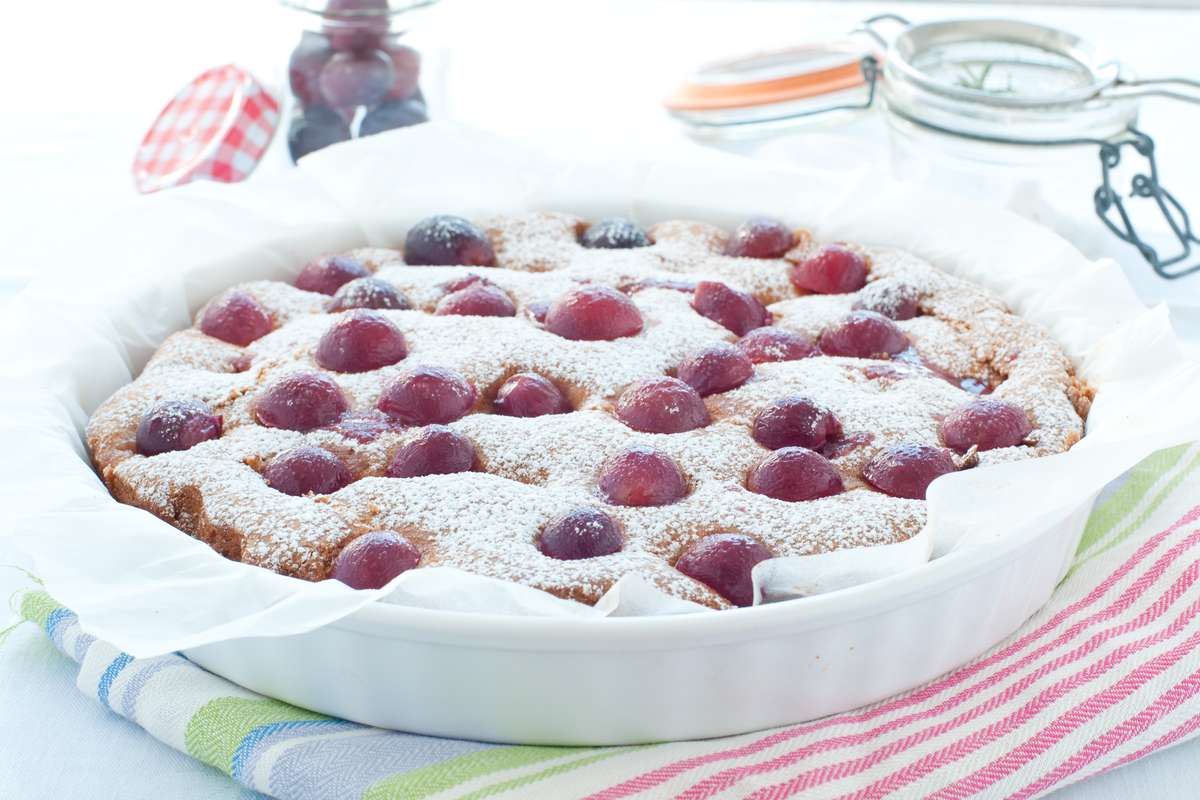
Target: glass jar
{"x":1048,"y":186}
{"x":357,"y":68}
{"x":1017,"y":114}
{"x":1008,"y":112}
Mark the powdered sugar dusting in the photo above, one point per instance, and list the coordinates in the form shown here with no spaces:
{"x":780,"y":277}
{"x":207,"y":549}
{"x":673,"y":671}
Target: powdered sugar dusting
{"x":532,"y":470}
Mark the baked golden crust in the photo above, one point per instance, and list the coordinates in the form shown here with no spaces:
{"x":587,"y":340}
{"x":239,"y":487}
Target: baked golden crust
{"x":532,"y":469}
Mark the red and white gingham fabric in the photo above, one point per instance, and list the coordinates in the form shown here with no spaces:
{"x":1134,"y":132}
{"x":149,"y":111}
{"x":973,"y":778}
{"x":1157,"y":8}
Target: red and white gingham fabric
{"x":217,"y":128}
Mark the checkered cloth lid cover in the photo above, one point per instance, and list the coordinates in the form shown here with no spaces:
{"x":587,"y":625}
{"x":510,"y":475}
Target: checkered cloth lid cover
{"x":216,"y":128}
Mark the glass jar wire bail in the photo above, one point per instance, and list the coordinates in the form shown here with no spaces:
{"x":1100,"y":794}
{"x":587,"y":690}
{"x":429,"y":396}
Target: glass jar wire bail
{"x":1059,"y":91}
{"x":1144,"y":184}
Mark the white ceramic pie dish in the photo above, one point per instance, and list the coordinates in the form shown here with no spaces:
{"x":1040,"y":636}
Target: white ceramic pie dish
{"x":560,"y":680}
{"x":632,"y":680}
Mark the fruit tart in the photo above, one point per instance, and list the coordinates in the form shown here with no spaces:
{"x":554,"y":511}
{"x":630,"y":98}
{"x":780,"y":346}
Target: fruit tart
{"x":560,"y":402}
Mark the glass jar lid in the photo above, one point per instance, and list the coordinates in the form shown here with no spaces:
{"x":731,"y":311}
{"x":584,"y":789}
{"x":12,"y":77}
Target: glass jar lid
{"x":1005,"y":80}
{"x":775,"y":86}
{"x":351,"y":10}
{"x":216,"y":128}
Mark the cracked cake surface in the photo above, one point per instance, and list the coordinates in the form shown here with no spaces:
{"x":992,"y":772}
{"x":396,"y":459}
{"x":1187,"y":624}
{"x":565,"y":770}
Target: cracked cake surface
{"x":960,"y":345}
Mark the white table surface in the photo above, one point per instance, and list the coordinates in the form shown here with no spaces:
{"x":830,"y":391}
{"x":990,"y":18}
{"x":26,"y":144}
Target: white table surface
{"x":74,"y":112}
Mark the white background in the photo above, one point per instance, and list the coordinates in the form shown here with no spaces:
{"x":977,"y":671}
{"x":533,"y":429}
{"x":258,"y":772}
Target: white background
{"x":81,"y":81}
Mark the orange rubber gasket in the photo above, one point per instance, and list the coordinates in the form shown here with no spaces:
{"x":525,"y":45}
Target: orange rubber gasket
{"x":711,"y":96}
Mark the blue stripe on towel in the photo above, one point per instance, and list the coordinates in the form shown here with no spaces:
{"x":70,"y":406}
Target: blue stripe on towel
{"x":114,"y":669}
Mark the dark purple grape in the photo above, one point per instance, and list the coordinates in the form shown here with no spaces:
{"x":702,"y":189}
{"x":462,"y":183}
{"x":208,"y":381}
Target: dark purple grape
{"x":304,"y":67}
{"x":985,"y":423}
{"x":906,"y":470}
{"x":760,"y":237}
{"x":426,"y":395}
{"x":795,"y":474}
{"x":406,"y":63}
{"x":662,"y":405}
{"x":445,"y":240}
{"x":863,"y":334}
{"x":307,"y":470}
{"x":795,"y":421}
{"x":582,"y":533}
{"x":724,"y":562}
{"x":831,"y":270}
{"x":327,"y":274}
{"x":301,"y":401}
{"x":716,"y":368}
{"x":362,"y":340}
{"x":317,"y":128}
{"x":614,"y":233}
{"x":458,"y":284}
{"x":480,"y":299}
{"x":889,"y":297}
{"x":436,"y":450}
{"x":593,"y":313}
{"x":371,"y":560}
{"x":368,"y":293}
{"x":237,"y":318}
{"x":393,"y":114}
{"x":351,"y":79}
{"x":528,"y":394}
{"x":776,"y":344}
{"x":356,"y":25}
{"x":641,"y":476}
{"x":738,"y":311}
{"x":176,"y":425}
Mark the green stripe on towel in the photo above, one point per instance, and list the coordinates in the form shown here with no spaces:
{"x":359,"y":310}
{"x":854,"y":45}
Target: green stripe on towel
{"x":1141,"y":518}
{"x":556,"y":770}
{"x":455,"y":771}
{"x":216,"y":730}
{"x":1108,"y":514}
{"x":37,"y":606}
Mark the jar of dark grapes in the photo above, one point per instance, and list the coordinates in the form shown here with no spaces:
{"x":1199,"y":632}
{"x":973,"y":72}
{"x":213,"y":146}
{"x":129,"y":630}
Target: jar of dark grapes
{"x":355,"y":71}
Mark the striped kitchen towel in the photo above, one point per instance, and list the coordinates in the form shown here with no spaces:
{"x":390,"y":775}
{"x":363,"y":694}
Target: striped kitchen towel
{"x":1107,"y":672}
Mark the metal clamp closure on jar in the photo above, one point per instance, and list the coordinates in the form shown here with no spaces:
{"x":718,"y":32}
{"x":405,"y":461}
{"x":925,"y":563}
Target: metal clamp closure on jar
{"x":1052,"y":89}
{"x":997,"y":81}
